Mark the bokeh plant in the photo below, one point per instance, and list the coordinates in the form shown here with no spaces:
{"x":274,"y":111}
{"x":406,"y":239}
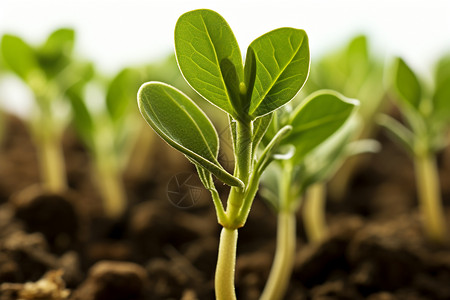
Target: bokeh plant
{"x":356,"y":72}
{"x":49,"y":70}
{"x":427,"y":117}
{"x":300,"y":162}
{"x":209,"y":58}
{"x":104,"y":119}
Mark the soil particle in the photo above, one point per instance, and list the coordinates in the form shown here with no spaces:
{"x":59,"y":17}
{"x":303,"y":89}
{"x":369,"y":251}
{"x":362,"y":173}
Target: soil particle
{"x":49,"y":213}
{"x":109,"y":280}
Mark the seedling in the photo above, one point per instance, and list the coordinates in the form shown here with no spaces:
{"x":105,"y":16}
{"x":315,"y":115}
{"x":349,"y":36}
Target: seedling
{"x":107,"y":129}
{"x":304,"y":162}
{"x":276,"y":67}
{"x":49,"y":71}
{"x":427,"y":116}
{"x":357,"y":73}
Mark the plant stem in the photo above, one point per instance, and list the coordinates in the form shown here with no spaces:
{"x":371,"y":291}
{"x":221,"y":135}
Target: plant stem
{"x":427,"y":180}
{"x":282,"y":266}
{"x":52,"y":165}
{"x":110,"y":182}
{"x":283,"y":263}
{"x":314,"y":212}
{"x":226,"y":260}
{"x":243,"y":157}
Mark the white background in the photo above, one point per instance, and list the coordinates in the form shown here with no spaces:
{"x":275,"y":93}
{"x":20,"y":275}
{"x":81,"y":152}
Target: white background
{"x":118,"y":33}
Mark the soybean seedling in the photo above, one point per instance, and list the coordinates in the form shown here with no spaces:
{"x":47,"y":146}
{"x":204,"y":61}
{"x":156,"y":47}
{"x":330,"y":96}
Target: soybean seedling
{"x":312,"y":122}
{"x":49,"y":71}
{"x":276,"y":67}
{"x":107,"y":129}
{"x":355,"y":72}
{"x":427,"y":116}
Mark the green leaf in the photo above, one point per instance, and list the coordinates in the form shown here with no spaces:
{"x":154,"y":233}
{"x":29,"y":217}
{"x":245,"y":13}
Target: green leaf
{"x":207,"y":52}
{"x":322,"y":114}
{"x":398,"y":131}
{"x":19,"y":56}
{"x":260,"y":127}
{"x":121,"y":93}
{"x":55,"y":53}
{"x":442,"y":72}
{"x":183,"y":125}
{"x":82,"y":119}
{"x":282,"y":66}
{"x":441,"y":101}
{"x":406,"y":84}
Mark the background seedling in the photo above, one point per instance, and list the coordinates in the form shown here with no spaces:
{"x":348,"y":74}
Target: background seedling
{"x":312,"y":122}
{"x":276,"y":67}
{"x":107,"y":129}
{"x":49,"y":71}
{"x":356,"y":72}
{"x":427,"y":116}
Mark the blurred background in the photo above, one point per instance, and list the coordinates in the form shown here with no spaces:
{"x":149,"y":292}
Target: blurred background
{"x":115,"y":34}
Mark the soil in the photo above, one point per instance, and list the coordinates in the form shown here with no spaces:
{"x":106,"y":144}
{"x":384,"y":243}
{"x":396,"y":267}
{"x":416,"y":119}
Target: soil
{"x":165,"y":246}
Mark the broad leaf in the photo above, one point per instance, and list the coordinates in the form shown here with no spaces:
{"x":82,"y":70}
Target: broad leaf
{"x":318,"y":118}
{"x":19,"y":56}
{"x":183,"y":125}
{"x":282,"y":66}
{"x":209,"y":57}
{"x":406,"y":84}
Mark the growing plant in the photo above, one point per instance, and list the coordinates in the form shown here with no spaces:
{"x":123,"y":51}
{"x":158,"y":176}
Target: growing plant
{"x":49,"y":70}
{"x":107,"y":129}
{"x":427,"y":116}
{"x":312,"y":158}
{"x":355,"y":72}
{"x":208,"y":55}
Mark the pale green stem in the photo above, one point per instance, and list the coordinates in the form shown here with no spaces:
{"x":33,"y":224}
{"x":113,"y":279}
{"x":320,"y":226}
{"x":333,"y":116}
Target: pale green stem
{"x":282,"y":266}
{"x":427,"y":180}
{"x":111,"y":186}
{"x":226,"y":261}
{"x":283,"y":263}
{"x":52,"y":165}
{"x":138,"y":164}
{"x":314,"y":212}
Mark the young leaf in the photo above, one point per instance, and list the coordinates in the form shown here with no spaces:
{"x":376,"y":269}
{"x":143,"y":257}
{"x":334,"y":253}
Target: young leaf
{"x":121,"y":93}
{"x":406,"y":84}
{"x":183,"y":125}
{"x":282,"y":66}
{"x":318,"y":118}
{"x":54,"y":54}
{"x":19,"y":56}
{"x":209,"y":57}
{"x":398,"y":131}
{"x":441,"y":101}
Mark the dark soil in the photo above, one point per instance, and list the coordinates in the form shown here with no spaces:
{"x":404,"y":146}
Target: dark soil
{"x":165,"y":246}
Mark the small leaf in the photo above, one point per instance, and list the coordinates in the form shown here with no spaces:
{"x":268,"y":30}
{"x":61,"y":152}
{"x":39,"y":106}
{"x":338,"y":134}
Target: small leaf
{"x":121,"y":93}
{"x":204,"y":40}
{"x":183,"y":125}
{"x":19,"y":56}
{"x":260,"y":127}
{"x":82,"y":119}
{"x":398,"y":131}
{"x":282,"y":66}
{"x":406,"y":84}
{"x":54,"y":54}
{"x":441,"y":102}
{"x":322,"y":114}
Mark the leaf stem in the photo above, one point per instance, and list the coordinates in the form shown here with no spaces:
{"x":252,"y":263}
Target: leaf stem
{"x":224,"y":279}
{"x":314,"y":212}
{"x":283,"y":263}
{"x":428,"y":186}
{"x":51,"y":161}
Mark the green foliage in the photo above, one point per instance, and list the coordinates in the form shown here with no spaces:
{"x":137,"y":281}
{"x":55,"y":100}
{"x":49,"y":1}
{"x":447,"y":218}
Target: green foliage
{"x":181,"y":123}
{"x":312,"y":123}
{"x":276,"y":67}
{"x":19,"y":56}
{"x":427,"y":114}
